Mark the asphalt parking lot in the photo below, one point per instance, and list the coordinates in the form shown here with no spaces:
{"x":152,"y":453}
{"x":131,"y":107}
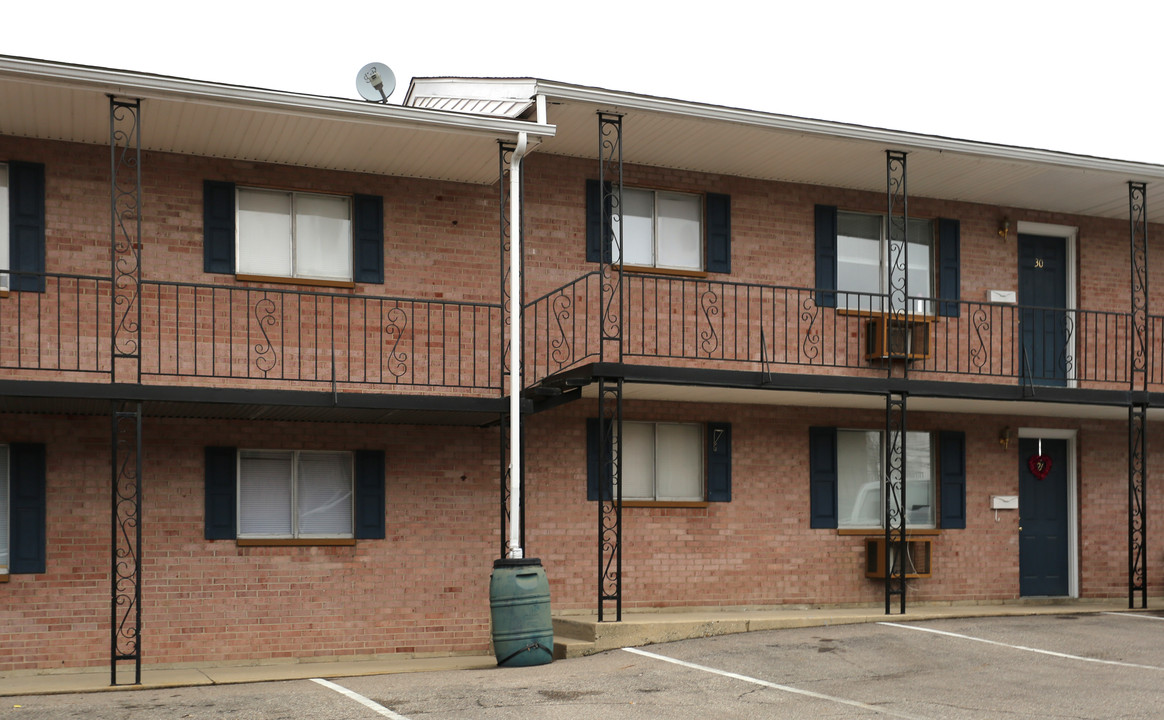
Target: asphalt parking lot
{"x":1107,"y":665}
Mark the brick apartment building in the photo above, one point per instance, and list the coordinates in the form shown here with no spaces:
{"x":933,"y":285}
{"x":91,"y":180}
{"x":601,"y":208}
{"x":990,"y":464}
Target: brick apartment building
{"x":253,"y":347}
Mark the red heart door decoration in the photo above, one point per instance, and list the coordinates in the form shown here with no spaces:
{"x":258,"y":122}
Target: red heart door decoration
{"x":1040,"y":466}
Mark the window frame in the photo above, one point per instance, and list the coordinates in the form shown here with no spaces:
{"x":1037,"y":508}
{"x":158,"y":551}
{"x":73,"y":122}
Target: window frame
{"x":701,"y":497}
{"x":868,"y":301}
{"x":295,"y":535}
{"x":657,"y":237}
{"x":933,"y":480}
{"x":293,"y":239}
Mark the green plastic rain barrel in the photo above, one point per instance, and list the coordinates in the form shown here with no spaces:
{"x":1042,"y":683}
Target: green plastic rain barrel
{"x":519,"y":602}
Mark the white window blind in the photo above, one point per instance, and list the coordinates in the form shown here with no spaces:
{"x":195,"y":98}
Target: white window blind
{"x":265,"y":493}
{"x":679,"y":472}
{"x":860,"y":479}
{"x":660,"y":229}
{"x":293,"y":234}
{"x":323,"y":236}
{"x":325,"y":494}
{"x":662,"y":461}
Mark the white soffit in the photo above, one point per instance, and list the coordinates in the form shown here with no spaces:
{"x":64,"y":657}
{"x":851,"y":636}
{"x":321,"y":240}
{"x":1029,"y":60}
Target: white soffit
{"x":54,"y":101}
{"x":703,"y":138}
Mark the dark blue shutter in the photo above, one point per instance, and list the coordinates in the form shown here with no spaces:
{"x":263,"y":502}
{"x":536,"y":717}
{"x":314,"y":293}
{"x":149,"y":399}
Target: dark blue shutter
{"x":822,"y":463}
{"x":949,"y":266}
{"x":218,"y":227}
{"x":719,"y":233}
{"x":368,"y":238}
{"x":595,"y":217}
{"x":594,"y":469}
{"x":370,"y":503}
{"x":26,"y":226}
{"x":952,"y":461}
{"x":221,"y":493}
{"x":719,"y":462}
{"x":826,"y":255}
{"x":26,"y":512}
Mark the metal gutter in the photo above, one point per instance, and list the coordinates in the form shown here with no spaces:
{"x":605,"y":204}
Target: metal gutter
{"x":158,"y":87}
{"x":899,"y":140}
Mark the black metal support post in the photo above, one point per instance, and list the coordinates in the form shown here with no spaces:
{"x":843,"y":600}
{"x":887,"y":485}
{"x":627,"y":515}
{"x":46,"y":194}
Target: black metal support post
{"x":1137,"y":520}
{"x":125,"y":541}
{"x":610,"y":497}
{"x":896,"y":560}
{"x":125,"y":340}
{"x":611,"y":347}
{"x":1138,"y":414}
{"x":610,"y":268}
{"x":125,"y":232}
{"x":899,"y":313}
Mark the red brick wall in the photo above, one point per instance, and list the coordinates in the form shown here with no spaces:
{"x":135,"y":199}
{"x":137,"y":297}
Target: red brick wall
{"x":423,"y":589}
{"x":759,"y":549}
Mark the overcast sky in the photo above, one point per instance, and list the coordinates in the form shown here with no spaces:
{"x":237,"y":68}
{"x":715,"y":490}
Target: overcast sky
{"x":1077,"y":77}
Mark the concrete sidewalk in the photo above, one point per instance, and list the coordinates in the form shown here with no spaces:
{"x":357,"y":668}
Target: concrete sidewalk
{"x":574,"y":636}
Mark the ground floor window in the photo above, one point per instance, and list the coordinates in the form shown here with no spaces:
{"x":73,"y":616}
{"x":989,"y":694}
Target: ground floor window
{"x":861,"y":479}
{"x":662,"y":461}
{"x":295,"y":494}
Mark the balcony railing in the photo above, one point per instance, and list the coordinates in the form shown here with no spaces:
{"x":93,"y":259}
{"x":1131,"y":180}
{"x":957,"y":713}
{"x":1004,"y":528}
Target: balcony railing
{"x":686,"y":321}
{"x":196,"y":334}
{"x":256,"y":336}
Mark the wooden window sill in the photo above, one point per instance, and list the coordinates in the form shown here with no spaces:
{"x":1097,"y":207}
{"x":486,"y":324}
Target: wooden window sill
{"x":294,"y":542}
{"x":308,"y":282}
{"x":665,"y":504}
{"x":910,"y":317}
{"x":648,"y":270}
{"x":879,"y":532}
{"x":4,"y":577}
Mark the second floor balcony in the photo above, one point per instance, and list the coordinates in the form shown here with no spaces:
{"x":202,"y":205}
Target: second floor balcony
{"x":83,"y":329}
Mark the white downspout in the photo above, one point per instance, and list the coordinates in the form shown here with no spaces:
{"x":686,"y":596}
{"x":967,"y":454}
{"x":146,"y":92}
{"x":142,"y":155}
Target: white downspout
{"x":515,"y":379}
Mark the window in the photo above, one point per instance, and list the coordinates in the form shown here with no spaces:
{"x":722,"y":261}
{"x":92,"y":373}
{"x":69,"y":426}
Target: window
{"x":662,"y":461}
{"x":861,"y":478}
{"x":4,"y":525}
{"x":661,"y":229}
{"x":294,"y":235}
{"x":863,"y":261}
{"x":294,"y":494}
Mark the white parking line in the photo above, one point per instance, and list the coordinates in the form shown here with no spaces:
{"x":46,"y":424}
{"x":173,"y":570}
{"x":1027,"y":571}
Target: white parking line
{"x":774,"y":686}
{"x":1135,"y":615}
{"x":370,"y":704}
{"x":1052,"y":653}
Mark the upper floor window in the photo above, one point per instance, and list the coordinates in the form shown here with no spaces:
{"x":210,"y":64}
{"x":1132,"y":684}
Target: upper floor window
{"x":295,"y":494}
{"x":863,"y":261}
{"x":661,"y":229}
{"x":294,"y":235}
{"x":662,"y":461}
{"x":861,"y":479}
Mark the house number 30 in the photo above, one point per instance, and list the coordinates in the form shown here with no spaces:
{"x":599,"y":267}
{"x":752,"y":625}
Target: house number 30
{"x":1038,"y":262}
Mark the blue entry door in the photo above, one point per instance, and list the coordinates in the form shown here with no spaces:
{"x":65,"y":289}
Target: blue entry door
{"x":1045,"y":324}
{"x":1043,"y":569}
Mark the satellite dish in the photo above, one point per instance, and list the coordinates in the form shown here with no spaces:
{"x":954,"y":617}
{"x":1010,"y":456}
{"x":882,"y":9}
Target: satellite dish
{"x":375,"y":82}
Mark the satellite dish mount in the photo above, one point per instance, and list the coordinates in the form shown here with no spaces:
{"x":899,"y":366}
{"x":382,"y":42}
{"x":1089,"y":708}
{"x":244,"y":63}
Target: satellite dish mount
{"x":375,"y":82}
